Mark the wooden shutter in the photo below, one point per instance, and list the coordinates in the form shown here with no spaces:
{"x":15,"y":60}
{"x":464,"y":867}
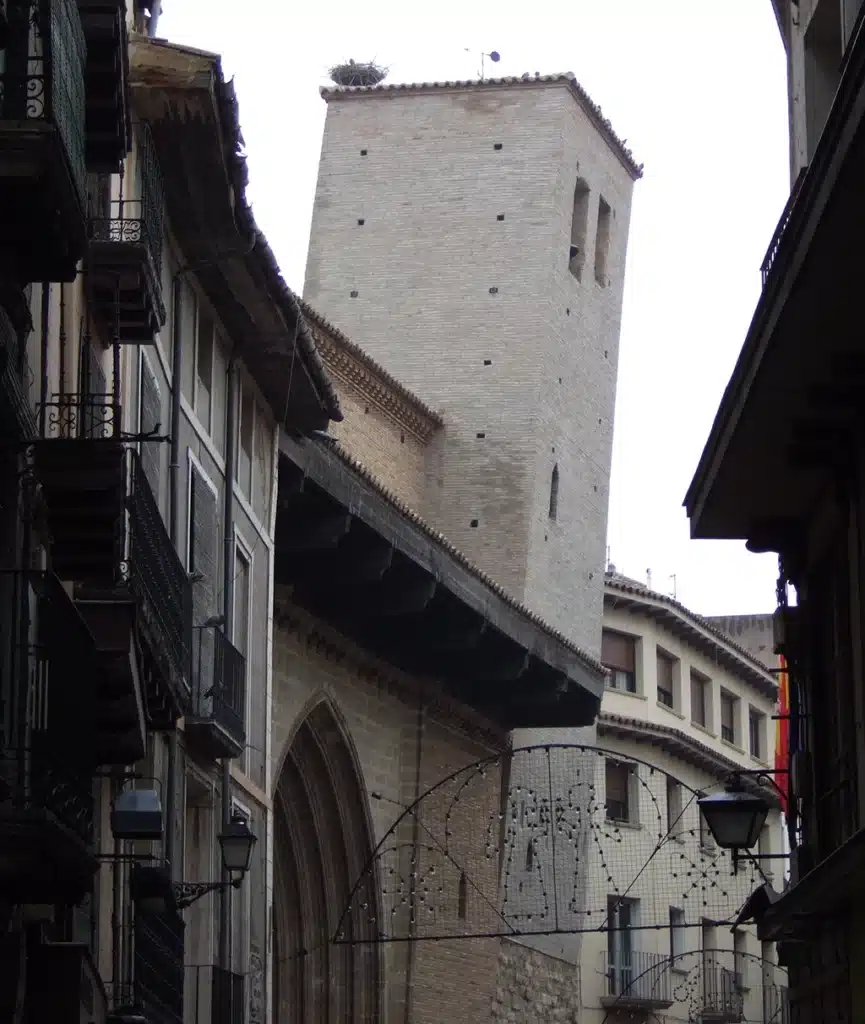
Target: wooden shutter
{"x":617,"y":651}
{"x":202,"y":559}
{"x":150,"y":422}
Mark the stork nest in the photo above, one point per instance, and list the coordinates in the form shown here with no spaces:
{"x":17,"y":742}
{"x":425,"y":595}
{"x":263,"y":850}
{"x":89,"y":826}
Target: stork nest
{"x":352,"y":75}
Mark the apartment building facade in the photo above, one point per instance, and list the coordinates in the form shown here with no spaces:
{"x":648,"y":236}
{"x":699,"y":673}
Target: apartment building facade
{"x":140,"y":415}
{"x":782,"y":470}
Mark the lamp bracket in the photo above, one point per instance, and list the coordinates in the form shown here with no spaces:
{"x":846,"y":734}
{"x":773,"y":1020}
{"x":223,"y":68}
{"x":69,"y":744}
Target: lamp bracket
{"x":186,"y":893}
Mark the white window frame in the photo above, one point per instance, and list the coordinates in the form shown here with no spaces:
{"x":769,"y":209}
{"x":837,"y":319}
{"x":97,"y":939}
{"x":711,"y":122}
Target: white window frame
{"x":192,"y":463}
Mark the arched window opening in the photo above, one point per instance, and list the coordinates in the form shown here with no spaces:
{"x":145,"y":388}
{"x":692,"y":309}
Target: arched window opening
{"x":579,"y":226}
{"x":554,"y":494}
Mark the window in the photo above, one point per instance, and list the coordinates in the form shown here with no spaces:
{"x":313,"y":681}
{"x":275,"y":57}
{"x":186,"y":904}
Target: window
{"x":150,"y":422}
{"x":666,"y":679}
{"x":740,"y":958}
{"x":202,"y":561}
{"x":674,"y":807}
{"x":579,"y":226}
{"x":554,"y":493}
{"x":699,"y":699}
{"x":204,"y":369}
{"x":756,"y":725}
{"x":602,"y":241}
{"x":621,"y":919}
{"x":462,"y":897}
{"x":709,"y":945}
{"x":728,"y":716}
{"x":618,"y":654}
{"x":706,"y":840}
{"x":621,"y":804}
{"x":246,"y":441}
{"x":530,"y":855}
{"x":677,"y":938}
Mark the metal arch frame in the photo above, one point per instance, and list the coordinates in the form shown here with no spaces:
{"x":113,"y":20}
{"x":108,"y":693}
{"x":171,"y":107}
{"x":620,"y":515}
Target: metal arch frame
{"x":615,"y":1008}
{"x":472,"y":771}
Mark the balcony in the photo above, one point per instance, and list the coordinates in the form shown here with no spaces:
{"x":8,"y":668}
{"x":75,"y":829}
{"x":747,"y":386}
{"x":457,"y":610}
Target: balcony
{"x":108,"y":538}
{"x":125,"y":255}
{"x":214,"y":995}
{"x":75,"y":992}
{"x":637,"y":981}
{"x":42,"y":119}
{"x":106,"y":84}
{"x":217,"y":721}
{"x":46,"y":826}
{"x":158,"y":966}
{"x":722,"y":998}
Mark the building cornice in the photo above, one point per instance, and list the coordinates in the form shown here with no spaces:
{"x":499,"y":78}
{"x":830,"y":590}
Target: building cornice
{"x":677,"y":744}
{"x":348,"y":363}
{"x":325,"y":642}
{"x":622,"y":593}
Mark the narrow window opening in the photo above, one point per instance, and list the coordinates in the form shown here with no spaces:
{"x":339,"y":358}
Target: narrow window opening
{"x":501,"y":216}
{"x":402,"y":438}
{"x":530,"y":855}
{"x":363,"y":152}
{"x":488,"y":362}
{"x":554,"y":494}
{"x":602,"y":241}
{"x":579,"y":226}
{"x":481,"y":433}
{"x":497,"y":145}
{"x":494,"y":290}
{"x":463,"y":897}
{"x":353,"y":294}
{"x":474,"y":524}
{"x":361,"y":221}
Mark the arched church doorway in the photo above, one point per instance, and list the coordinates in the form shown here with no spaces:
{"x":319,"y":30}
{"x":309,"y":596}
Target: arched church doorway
{"x":322,"y":843}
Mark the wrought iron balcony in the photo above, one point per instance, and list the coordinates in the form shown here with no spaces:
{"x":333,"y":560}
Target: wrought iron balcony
{"x":214,"y":995}
{"x":42,"y":119}
{"x":637,"y":980}
{"x":158,"y":966}
{"x":723,"y":1000}
{"x":46,"y":825}
{"x":106,"y":84}
{"x":778,"y":236}
{"x":108,"y":537}
{"x":217,"y":720}
{"x":125,"y":255}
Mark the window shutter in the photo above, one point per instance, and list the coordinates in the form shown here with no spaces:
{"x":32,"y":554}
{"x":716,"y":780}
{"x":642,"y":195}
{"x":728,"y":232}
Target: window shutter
{"x":202,"y":550}
{"x":617,"y":651}
{"x":150,"y":422}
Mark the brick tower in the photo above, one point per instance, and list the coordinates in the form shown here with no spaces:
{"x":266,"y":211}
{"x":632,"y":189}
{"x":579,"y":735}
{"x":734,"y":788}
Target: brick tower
{"x":471,"y":237}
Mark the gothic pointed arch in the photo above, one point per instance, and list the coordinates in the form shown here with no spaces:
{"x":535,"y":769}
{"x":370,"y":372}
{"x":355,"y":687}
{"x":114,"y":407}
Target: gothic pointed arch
{"x":322,"y":845}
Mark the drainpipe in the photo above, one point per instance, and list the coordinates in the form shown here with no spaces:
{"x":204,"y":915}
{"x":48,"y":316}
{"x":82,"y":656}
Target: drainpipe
{"x":174,"y":534}
{"x":227,"y":611}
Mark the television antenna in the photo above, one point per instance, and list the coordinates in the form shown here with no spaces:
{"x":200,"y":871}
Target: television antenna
{"x":493,"y":55}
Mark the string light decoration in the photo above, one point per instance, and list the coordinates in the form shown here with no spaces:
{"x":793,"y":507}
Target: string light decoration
{"x":545,"y":840}
{"x":700,"y":985}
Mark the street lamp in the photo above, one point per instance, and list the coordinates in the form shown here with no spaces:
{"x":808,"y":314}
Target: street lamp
{"x":735,"y":817}
{"x":236,"y":842}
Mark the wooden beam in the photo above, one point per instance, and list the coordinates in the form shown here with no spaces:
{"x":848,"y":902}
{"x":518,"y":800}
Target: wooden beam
{"x":408,"y":597}
{"x":318,"y":534}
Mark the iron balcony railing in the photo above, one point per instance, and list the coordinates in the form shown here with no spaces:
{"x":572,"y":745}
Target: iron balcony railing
{"x":778,"y":236}
{"x":156,"y":573}
{"x":219,"y":671}
{"x":33,"y":780}
{"x":776,"y":1004}
{"x":42,"y":73}
{"x":158,"y":966}
{"x":138,"y":221}
{"x":213,"y":995}
{"x":723,"y":996}
{"x":637,"y":977}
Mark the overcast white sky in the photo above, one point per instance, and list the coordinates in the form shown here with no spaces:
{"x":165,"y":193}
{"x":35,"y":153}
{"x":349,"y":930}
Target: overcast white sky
{"x":697,"y":89}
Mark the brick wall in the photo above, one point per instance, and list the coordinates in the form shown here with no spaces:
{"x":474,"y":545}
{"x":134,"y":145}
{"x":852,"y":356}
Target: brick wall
{"x":481,"y":317}
{"x":378,"y":708}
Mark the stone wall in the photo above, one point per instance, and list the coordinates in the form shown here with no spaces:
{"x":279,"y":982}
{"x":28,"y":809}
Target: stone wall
{"x":534,"y":987}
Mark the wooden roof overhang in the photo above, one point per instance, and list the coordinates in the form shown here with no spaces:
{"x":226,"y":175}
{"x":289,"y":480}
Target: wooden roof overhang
{"x":358,"y":560}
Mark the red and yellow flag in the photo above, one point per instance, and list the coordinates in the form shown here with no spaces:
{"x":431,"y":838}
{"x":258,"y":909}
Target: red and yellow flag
{"x":782,"y":733}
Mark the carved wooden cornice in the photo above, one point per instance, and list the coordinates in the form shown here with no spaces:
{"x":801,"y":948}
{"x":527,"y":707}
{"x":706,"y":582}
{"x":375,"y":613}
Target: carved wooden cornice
{"x":322,"y":641}
{"x":346,"y":362}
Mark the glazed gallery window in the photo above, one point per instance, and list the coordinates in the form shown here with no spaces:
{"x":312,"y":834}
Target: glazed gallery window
{"x":729,"y":708}
{"x":756,"y":729}
{"x":699,"y":699}
{"x":619,"y":656}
